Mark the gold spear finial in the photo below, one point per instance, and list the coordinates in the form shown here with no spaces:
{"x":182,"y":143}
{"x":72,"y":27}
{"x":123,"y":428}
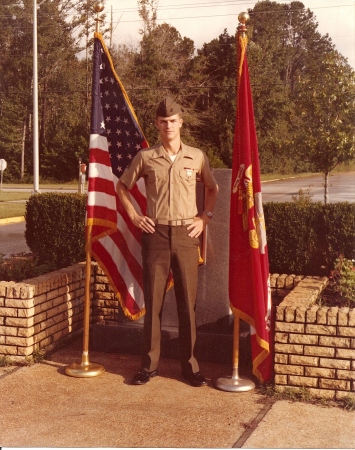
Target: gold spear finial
{"x":243,"y":18}
{"x":98,"y":7}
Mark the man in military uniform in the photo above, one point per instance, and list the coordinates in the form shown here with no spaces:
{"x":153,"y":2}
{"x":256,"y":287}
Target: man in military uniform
{"x":170,"y":235}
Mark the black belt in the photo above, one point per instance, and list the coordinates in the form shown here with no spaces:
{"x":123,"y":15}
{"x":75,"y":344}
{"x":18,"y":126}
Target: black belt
{"x":174,"y":223}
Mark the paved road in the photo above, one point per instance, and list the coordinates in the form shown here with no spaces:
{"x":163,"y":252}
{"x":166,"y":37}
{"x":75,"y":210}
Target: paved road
{"x":12,"y":239}
{"x":342,"y":188}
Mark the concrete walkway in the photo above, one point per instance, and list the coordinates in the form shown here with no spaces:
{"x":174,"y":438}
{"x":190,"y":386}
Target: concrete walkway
{"x":43,"y":407}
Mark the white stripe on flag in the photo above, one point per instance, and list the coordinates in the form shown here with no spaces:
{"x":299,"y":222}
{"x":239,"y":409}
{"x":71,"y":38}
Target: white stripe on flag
{"x":98,"y":141}
{"x":102,"y":199}
{"x":97,"y":170}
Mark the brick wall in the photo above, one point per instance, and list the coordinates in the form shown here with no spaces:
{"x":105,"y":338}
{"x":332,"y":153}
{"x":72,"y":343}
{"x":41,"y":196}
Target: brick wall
{"x":41,"y":312}
{"x":105,"y":305}
{"x":282,"y":285}
{"x":314,"y":345}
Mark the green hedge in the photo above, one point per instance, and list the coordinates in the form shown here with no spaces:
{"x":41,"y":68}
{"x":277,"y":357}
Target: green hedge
{"x":307,"y":238}
{"x":303,"y":238}
{"x":55,"y":227}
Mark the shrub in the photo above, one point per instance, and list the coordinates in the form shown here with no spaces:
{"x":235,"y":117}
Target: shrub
{"x":21,"y":267}
{"x":55,"y":228}
{"x":343,"y":276}
{"x":305,"y":238}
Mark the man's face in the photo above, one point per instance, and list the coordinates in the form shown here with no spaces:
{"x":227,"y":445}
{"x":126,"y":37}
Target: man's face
{"x":169,"y":127}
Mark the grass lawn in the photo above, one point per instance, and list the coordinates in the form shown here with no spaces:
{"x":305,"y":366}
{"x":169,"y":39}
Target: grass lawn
{"x":11,"y":196}
{"x":58,"y":186}
{"x":8,"y":210}
{"x":12,"y":210}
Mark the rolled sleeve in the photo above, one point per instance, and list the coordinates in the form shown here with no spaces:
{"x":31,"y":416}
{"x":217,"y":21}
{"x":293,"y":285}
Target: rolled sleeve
{"x":133,"y":172}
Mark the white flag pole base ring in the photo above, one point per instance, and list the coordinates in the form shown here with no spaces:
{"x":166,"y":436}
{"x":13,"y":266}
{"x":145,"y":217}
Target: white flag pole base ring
{"x":234,"y":383}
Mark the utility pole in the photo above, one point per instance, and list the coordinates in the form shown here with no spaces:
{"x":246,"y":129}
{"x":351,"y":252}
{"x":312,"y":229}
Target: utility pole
{"x":35,"y":104}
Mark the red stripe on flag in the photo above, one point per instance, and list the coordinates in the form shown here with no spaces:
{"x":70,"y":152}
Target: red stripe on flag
{"x":100,"y":156}
{"x":139,"y":198}
{"x":101,"y":213}
{"x":98,"y":184}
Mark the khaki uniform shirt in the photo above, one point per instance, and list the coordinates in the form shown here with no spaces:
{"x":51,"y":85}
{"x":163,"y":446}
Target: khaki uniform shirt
{"x":170,"y":186}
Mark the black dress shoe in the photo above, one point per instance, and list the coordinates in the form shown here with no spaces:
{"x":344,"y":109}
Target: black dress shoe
{"x":143,"y":376}
{"x":196,"y":379}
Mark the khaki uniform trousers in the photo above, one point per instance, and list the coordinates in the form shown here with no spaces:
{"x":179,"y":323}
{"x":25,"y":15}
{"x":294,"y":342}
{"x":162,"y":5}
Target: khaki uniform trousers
{"x":170,"y":247}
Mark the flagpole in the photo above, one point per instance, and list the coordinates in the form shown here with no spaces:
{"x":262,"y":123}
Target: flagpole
{"x":86,"y":369}
{"x":236,"y":383}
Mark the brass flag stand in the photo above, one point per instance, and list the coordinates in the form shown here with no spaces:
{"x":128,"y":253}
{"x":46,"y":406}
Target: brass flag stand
{"x":86,"y":369}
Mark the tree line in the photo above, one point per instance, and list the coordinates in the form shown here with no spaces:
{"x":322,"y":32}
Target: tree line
{"x":303,"y":88}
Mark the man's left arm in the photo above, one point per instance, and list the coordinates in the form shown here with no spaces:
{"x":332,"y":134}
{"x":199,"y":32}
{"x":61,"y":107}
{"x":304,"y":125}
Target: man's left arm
{"x":200,"y":222}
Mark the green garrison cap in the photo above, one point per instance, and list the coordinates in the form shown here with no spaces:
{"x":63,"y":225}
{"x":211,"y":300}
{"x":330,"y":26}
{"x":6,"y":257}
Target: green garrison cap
{"x":168,"y":107}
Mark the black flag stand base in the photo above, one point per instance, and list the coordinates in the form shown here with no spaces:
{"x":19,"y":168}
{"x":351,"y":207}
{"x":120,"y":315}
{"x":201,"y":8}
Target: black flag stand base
{"x":235,"y":383}
{"x":85,"y":369}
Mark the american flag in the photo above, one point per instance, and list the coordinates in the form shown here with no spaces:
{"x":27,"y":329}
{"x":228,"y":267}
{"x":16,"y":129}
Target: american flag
{"x":115,"y":138}
{"x":249,"y":289}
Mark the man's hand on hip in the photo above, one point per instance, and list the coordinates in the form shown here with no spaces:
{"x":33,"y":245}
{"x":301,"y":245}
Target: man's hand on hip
{"x":197,"y":226}
{"x":144,"y":223}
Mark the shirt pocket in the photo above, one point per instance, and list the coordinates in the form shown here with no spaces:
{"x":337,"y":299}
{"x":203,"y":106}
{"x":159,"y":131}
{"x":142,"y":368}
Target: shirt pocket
{"x":187,"y":192}
{"x":187,"y":176}
{"x":156,"y":181}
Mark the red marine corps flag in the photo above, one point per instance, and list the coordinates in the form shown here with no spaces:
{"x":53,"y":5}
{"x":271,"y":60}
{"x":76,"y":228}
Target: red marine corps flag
{"x":249,"y":288}
{"x":115,"y":138}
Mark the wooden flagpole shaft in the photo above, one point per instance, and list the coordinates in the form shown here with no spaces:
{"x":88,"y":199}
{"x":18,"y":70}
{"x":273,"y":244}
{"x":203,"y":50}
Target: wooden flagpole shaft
{"x":85,"y":369}
{"x":236,"y":328}
{"x":235,"y":383}
{"x":86,"y":309}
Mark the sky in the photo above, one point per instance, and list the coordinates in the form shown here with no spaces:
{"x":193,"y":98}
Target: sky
{"x":204,"y":20}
